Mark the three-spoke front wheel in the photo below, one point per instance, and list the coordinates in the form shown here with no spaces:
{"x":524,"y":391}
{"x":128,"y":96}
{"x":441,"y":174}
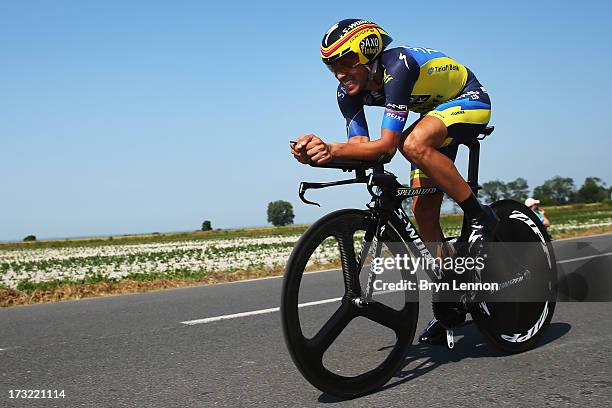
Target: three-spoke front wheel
{"x":331,"y":243}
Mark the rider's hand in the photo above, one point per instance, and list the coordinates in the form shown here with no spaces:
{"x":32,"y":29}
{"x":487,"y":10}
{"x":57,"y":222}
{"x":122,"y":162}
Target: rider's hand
{"x":318,"y":151}
{"x":298,"y":149}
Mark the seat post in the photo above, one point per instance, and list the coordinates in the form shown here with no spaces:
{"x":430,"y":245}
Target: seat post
{"x":474,"y":159}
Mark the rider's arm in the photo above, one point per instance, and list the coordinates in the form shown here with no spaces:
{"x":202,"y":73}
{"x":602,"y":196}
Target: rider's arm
{"x":359,"y":139}
{"x":364,"y":149}
{"x":354,"y":115}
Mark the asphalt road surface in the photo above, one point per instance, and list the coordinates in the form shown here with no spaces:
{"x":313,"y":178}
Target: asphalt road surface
{"x":187,"y":347}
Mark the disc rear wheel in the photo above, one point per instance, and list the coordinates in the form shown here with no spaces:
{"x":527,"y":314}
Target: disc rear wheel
{"x":515,"y":326}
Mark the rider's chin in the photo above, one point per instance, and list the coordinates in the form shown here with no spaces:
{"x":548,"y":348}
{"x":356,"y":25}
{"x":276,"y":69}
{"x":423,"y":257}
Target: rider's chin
{"x":351,"y":86}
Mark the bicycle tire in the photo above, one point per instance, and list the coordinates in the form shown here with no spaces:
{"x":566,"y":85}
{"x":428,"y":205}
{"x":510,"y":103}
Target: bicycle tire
{"x":306,"y":353}
{"x":514,"y":327}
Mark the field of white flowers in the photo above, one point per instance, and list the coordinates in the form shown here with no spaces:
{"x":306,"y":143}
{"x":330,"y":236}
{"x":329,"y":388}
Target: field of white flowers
{"x":74,"y":263}
{"x":118,"y":261}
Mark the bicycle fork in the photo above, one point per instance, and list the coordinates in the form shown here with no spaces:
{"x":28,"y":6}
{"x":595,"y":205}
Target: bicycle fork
{"x":371,"y":245}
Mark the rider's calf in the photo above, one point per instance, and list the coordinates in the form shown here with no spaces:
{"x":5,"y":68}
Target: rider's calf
{"x":426,"y":210}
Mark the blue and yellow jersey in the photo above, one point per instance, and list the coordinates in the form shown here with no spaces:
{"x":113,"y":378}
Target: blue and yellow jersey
{"x":421,"y":80}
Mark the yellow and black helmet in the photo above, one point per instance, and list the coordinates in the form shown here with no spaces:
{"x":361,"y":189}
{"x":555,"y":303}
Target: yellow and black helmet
{"x":363,"y":37}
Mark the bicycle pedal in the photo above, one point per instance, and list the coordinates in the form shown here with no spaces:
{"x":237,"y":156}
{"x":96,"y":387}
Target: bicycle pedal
{"x":450,"y":339}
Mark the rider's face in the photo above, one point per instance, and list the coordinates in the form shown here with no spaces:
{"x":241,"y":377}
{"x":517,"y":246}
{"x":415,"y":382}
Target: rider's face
{"x":351,"y":74}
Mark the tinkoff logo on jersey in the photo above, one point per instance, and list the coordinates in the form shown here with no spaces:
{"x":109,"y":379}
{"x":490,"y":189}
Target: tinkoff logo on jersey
{"x":370,"y":46}
{"x":443,"y":68}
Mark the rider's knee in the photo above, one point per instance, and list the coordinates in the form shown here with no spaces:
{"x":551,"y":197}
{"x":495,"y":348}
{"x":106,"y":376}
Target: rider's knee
{"x":414,"y":149}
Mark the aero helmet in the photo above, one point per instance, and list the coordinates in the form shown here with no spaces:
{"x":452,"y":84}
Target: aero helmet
{"x":362,"y":37}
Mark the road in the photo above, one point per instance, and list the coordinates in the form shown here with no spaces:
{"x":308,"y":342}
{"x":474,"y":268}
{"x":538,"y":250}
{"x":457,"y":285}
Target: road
{"x":183,"y":348}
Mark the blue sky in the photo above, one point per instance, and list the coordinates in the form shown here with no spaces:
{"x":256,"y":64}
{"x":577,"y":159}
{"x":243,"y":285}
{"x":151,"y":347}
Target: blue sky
{"x":128,"y":117}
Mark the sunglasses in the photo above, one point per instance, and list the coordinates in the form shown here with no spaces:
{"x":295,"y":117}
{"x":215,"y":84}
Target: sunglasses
{"x":341,"y":67}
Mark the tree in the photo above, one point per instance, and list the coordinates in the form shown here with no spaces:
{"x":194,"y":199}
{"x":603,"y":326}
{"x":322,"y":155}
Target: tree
{"x":280,"y":213}
{"x":593,"y":190}
{"x":494,"y":190}
{"x":517,"y":190}
{"x":206,"y":225}
{"x":30,"y":238}
{"x":557,"y":190}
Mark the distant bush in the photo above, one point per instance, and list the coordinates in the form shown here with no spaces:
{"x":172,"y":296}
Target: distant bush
{"x":206,"y":225}
{"x":556,"y":191}
{"x":30,"y":238}
{"x":592,"y":191}
{"x":280,"y":213}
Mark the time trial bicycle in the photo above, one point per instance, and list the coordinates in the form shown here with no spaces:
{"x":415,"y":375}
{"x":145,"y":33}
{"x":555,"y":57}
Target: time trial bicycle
{"x":524,"y":262}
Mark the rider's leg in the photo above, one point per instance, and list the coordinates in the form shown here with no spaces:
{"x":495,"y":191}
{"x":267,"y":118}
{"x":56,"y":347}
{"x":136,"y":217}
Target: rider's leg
{"x":426,"y":209}
{"x":449,"y":123}
{"x":420,"y":146}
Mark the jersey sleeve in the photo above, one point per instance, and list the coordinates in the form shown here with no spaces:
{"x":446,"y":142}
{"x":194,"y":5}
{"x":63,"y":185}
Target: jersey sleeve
{"x":401,"y":73}
{"x":352,"y":110}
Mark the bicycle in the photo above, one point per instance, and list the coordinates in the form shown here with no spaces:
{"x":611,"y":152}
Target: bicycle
{"x":525,"y":264}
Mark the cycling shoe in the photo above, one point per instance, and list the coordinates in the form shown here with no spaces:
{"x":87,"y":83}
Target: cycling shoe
{"x":434,"y":334}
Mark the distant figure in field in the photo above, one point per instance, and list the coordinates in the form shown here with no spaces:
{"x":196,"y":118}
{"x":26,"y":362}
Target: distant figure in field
{"x":532,"y":203}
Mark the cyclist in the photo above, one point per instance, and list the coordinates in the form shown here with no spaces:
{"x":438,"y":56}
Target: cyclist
{"x":453,"y":108}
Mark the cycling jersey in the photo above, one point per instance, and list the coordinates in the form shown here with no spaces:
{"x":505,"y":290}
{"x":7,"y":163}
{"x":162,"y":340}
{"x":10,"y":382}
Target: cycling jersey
{"x":428,"y":82}
{"x":420,"y":80}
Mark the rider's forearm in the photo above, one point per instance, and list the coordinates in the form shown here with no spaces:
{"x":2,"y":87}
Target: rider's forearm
{"x":358,"y":139}
{"x":362,"y":151}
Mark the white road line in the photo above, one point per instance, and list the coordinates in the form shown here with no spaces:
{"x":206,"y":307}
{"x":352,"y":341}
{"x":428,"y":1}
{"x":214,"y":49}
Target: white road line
{"x":265,"y":311}
{"x":584,"y":257}
{"x":254,"y":312}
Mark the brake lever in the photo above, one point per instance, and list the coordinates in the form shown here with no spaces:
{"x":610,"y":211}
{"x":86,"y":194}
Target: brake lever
{"x":303,"y":187}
